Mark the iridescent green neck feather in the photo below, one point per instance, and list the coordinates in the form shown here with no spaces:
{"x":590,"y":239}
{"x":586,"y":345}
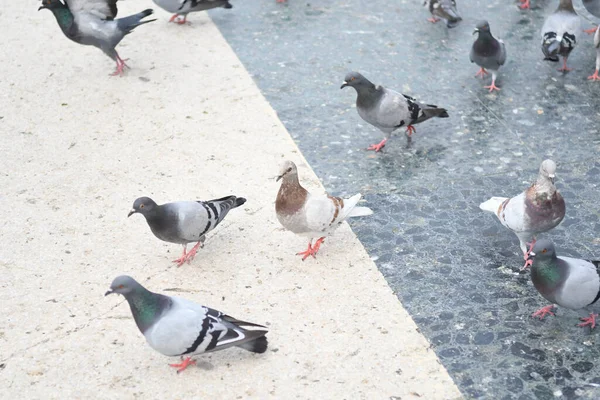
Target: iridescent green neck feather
{"x":146,"y":307}
{"x":64,"y":17}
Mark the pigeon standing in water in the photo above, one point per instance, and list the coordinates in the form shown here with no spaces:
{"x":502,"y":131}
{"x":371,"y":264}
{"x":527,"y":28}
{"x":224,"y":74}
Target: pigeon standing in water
{"x":309,"y":215}
{"x":569,"y":282}
{"x":559,"y":33}
{"x":595,"y":77}
{"x":488,"y":53}
{"x":388,"y":110}
{"x":174,"y":326}
{"x":92,"y":22}
{"x":536,"y":210}
{"x":184,"y":7}
{"x":443,"y":9}
{"x":185,"y":222}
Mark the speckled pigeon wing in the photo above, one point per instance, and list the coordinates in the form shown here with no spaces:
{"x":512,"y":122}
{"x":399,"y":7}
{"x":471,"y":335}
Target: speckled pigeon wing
{"x":103,"y":9}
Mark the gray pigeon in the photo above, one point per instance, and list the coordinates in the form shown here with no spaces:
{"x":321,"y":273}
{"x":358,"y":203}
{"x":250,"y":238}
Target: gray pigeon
{"x":569,"y":282}
{"x":185,"y":222}
{"x":536,"y":210}
{"x":559,"y":33}
{"x":388,"y":110}
{"x":178,"y":327}
{"x":92,"y":22}
{"x":593,"y":7}
{"x":595,"y":77}
{"x":443,"y":9}
{"x":184,"y":7}
{"x":487,"y":52}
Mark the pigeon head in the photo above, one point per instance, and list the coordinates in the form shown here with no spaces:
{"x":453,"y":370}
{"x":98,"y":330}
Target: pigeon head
{"x":288,"y":170}
{"x":482,"y":26}
{"x":355,"y":80}
{"x":124,"y":285}
{"x":543,"y":250}
{"x":548,"y":170}
{"x":50,"y":4}
{"x":143,"y":205}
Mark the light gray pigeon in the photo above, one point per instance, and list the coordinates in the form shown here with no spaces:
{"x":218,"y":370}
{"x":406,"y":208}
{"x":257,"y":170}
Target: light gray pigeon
{"x":569,"y":282}
{"x":184,"y":7}
{"x":388,"y":110}
{"x":310,"y":215}
{"x":595,"y":76}
{"x":92,"y":22}
{"x":559,"y":33}
{"x":185,"y":222}
{"x":443,"y":9}
{"x":536,"y":210}
{"x":174,"y":326}
{"x":487,"y":52}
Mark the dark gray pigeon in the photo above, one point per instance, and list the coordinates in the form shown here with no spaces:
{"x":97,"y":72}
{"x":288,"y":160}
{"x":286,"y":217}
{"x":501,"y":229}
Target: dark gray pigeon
{"x":559,"y":33}
{"x":92,"y":22}
{"x":443,"y":9}
{"x":185,"y":222}
{"x":184,"y":7}
{"x":174,"y":326}
{"x":568,"y":282}
{"x":487,"y":52}
{"x":388,"y":110}
{"x":595,"y":76}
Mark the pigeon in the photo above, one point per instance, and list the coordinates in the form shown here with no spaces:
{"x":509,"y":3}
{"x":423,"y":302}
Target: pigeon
{"x":487,"y":52}
{"x":184,"y":7}
{"x":536,"y":210}
{"x":595,"y":77}
{"x":174,"y":326}
{"x":443,"y":9}
{"x":593,"y":7}
{"x":559,"y":33}
{"x":308,"y":215}
{"x":92,"y":22}
{"x":184,"y":222}
{"x":388,"y":110}
{"x":568,"y":282}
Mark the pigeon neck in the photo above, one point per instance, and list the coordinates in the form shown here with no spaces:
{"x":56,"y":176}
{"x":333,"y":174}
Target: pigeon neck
{"x":291,"y":195}
{"x":368,"y":94}
{"x":566,"y":5}
{"x":146,"y":307}
{"x":64,"y":17}
{"x":545,"y":185}
{"x":546,"y":273}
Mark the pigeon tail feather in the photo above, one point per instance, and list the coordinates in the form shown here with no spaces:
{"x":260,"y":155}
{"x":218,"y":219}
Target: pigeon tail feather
{"x":435,"y":111}
{"x":128,"y":24}
{"x":258,"y":345}
{"x":492,"y":204}
{"x":360,"y":212}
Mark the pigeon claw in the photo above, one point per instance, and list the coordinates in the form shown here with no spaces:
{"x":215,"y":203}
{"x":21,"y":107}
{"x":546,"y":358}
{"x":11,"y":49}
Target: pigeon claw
{"x":175,"y":18}
{"x":378,"y":147}
{"x":433,"y":20}
{"x":524,"y":5}
{"x":280,"y":1}
{"x":564,"y":67}
{"x":591,"y":321}
{"x":591,"y":31}
{"x":482,"y":72}
{"x":312,"y":250}
{"x":121,"y":65}
{"x":542,"y":312}
{"x":184,"y":364}
{"x":492,"y":87}
{"x":410,"y":130}
{"x":594,"y":77}
{"x":189,"y":256}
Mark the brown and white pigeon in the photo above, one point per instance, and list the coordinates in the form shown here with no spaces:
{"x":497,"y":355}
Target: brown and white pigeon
{"x":174,"y":326}
{"x":568,"y":282}
{"x":595,"y":76}
{"x":309,"y":215}
{"x":536,"y":210}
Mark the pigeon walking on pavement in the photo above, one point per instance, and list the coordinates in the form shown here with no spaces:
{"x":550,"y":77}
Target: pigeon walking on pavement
{"x":309,"y":215}
{"x":92,"y":22}
{"x":593,"y":7}
{"x":559,"y":33}
{"x":181,"y":8}
{"x":185,"y":222}
{"x":487,"y":52}
{"x":388,"y":110}
{"x":174,"y":326}
{"x":443,"y":9}
{"x":536,"y":210}
{"x":568,"y":282}
{"x":595,"y":76}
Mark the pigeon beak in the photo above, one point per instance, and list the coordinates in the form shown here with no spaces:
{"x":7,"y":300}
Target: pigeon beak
{"x":131,"y":213}
{"x":344,"y":85}
{"x":475,"y":31}
{"x":109,"y":292}
{"x":41,"y":8}
{"x":531,"y":255}
{"x":552,"y":177}
{"x":278,"y":178}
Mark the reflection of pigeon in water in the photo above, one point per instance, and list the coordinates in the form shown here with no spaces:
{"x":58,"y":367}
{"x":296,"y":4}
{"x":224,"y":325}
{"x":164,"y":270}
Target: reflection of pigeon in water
{"x":487,"y":52}
{"x":559,"y":33}
{"x":184,"y":7}
{"x":443,"y":9}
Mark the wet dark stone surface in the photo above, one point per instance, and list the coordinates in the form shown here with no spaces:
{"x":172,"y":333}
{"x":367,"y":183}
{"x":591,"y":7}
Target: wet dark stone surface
{"x":454,"y":267}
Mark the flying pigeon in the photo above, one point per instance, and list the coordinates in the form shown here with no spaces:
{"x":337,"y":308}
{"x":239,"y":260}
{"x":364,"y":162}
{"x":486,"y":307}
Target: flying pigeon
{"x":174,"y":326}
{"x":443,"y":9}
{"x":488,"y":53}
{"x":536,"y":210}
{"x":185,"y":222}
{"x":595,"y":77}
{"x":569,"y":282}
{"x":593,"y":7}
{"x":308,"y":215}
{"x":184,"y":7}
{"x":559,"y":33}
{"x":92,"y":22}
{"x":388,"y":110}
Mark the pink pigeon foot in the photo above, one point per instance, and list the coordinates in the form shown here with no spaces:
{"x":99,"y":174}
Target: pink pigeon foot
{"x":591,"y":321}
{"x":564,"y":67}
{"x":433,"y":20}
{"x":492,"y":87}
{"x":312,"y":250}
{"x":410,"y":130}
{"x":524,"y":4}
{"x":482,"y":72}
{"x":542,"y":312}
{"x":594,"y":77}
{"x":377,"y":147}
{"x":184,"y":364}
{"x":528,"y":261}
{"x":175,"y":18}
{"x":591,"y":31}
{"x":280,"y":1}
{"x":181,"y":259}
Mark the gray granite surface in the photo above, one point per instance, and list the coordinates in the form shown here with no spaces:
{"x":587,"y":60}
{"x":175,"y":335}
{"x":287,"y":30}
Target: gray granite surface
{"x":454,"y":267}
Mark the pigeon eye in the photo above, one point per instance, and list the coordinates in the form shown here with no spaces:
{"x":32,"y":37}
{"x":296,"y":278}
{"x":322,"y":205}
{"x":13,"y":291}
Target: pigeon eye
{"x":121,"y":286}
{"x":543,"y":251}
{"x":351,"y":79}
{"x":141,"y":206}
{"x":289,"y":169}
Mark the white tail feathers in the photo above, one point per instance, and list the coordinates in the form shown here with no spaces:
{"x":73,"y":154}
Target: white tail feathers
{"x":492,"y":204}
{"x":360,"y":212}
